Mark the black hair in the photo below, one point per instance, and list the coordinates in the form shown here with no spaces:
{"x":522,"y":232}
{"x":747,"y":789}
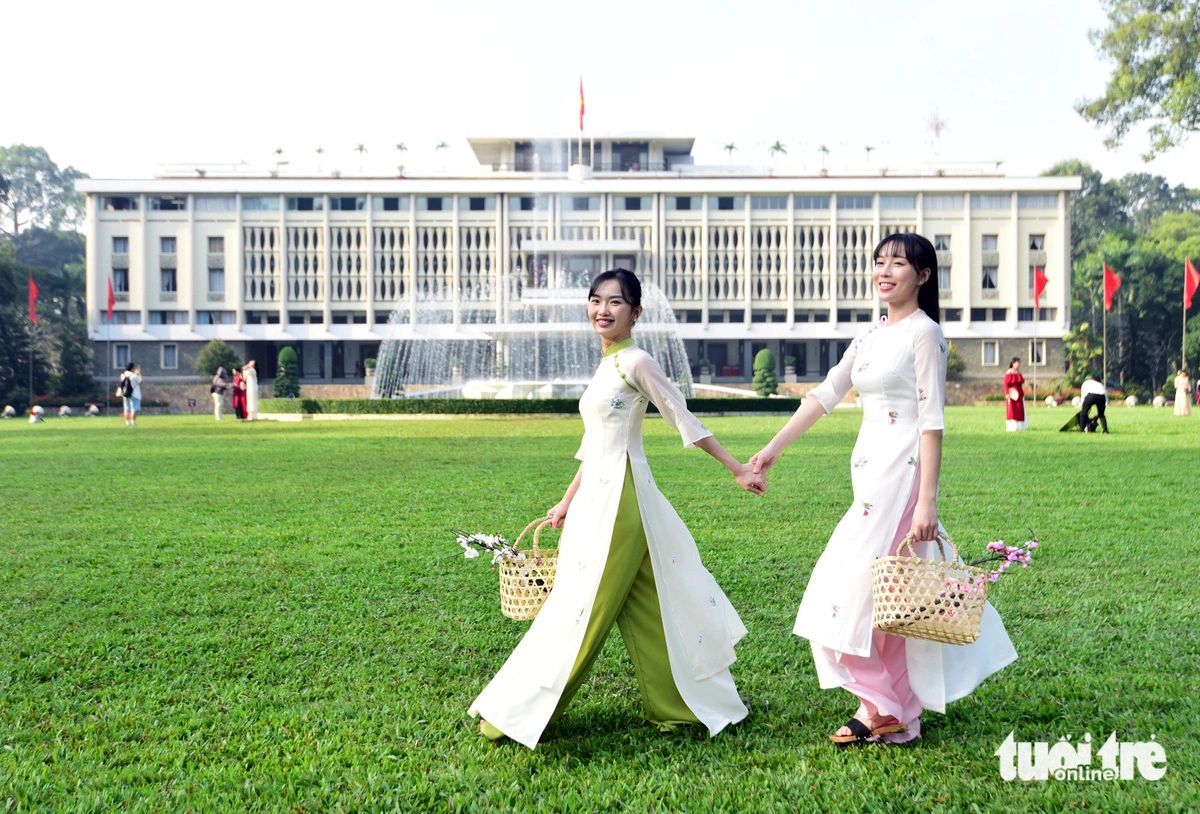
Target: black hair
{"x":1013,"y":360}
{"x":129,"y":367}
{"x":921,"y":254}
{"x":631,"y":287}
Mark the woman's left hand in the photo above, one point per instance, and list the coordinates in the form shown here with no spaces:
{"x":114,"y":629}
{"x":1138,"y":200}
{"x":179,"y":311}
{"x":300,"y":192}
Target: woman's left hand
{"x":925,"y":523}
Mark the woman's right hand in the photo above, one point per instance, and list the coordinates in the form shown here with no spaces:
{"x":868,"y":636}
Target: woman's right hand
{"x":557,"y":514}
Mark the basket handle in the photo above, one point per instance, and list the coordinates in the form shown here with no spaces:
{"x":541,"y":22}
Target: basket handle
{"x":536,"y":526}
{"x":940,"y":539}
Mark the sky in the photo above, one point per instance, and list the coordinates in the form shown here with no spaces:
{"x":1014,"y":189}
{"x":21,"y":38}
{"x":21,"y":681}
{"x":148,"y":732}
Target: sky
{"x":117,"y":89}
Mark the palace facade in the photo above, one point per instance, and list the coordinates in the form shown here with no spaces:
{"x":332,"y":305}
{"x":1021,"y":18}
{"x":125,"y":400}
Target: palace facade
{"x":335,"y":265}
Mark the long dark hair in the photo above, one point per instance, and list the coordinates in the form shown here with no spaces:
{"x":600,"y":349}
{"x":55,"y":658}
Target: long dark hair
{"x":631,"y":287}
{"x":921,"y":254}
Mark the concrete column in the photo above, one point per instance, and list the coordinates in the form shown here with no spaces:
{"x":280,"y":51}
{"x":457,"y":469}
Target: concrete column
{"x":1062,"y":287}
{"x":189,"y":265}
{"x":327,"y":350}
{"x":93,"y":284}
{"x":283,"y":263}
{"x":455,"y":269}
{"x":704,"y":259}
{"x":747,"y":271}
{"x":147,"y":253}
{"x":234,"y":270}
{"x":966,"y":266}
{"x":326,"y":271}
{"x":790,"y":256}
{"x":835,"y":272}
{"x":877,"y":235}
{"x":412,"y":260}
{"x":1019,"y":262}
{"x":369,"y":264}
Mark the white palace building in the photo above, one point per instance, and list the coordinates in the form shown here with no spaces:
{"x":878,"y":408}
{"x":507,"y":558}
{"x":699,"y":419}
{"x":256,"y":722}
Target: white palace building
{"x":747,"y":259}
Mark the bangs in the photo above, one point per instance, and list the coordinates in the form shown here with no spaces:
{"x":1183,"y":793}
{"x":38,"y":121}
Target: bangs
{"x":891,"y":246}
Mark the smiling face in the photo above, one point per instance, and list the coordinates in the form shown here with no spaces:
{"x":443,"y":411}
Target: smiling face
{"x":610,"y":313}
{"x":896,"y":279}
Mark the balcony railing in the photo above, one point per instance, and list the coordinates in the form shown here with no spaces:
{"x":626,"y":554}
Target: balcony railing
{"x":529,"y":165}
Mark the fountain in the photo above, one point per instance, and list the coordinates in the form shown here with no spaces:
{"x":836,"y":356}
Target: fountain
{"x":544,"y":348}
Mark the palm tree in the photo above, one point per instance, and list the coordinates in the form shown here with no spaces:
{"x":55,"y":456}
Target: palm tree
{"x":401,"y":148}
{"x":869,"y":150}
{"x":441,"y":145}
{"x":777,"y":148}
{"x":824,"y":151}
{"x":729,"y":148}
{"x":320,"y":152}
{"x":936,"y":126}
{"x":361,"y":149}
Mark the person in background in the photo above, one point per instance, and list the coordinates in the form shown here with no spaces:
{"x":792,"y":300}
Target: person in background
{"x":64,"y":411}
{"x":359,"y":371}
{"x":36,"y":414}
{"x":1095,"y":394}
{"x":131,"y":393}
{"x":218,"y":387}
{"x":9,"y":412}
{"x":92,"y":410}
{"x":250,"y":374}
{"x":1183,"y":393}
{"x":1014,"y":397}
{"x":239,"y":394}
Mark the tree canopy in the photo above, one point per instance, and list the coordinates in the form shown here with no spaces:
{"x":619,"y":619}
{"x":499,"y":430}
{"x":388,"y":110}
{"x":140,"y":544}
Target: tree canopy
{"x":1156,"y":79}
{"x":36,"y":192}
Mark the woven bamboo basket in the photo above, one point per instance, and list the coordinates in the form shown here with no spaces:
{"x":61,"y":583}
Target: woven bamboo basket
{"x":525,"y":584}
{"x":941,"y":601}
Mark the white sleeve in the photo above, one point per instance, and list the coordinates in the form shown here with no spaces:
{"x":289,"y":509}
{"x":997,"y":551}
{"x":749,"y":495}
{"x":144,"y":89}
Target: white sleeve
{"x":582,"y":446}
{"x":930,"y":353}
{"x":644,"y":374}
{"x":837,"y":382}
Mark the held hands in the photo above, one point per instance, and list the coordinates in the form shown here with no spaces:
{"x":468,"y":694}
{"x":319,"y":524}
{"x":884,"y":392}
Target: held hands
{"x":750,"y":480}
{"x":764,"y":460}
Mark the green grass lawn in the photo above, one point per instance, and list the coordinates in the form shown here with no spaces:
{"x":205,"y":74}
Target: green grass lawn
{"x":275,"y":617}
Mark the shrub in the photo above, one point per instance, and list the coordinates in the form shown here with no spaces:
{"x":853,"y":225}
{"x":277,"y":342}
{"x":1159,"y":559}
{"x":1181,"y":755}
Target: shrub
{"x":216,"y":354}
{"x":789,"y":361}
{"x":764,"y":382}
{"x":954,"y":363}
{"x":705,"y":363}
{"x":369,"y":364}
{"x":499,"y":406}
{"x":287,"y":382}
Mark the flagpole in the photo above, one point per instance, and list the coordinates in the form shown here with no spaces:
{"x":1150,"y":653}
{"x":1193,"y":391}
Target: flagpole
{"x":1104,"y":289}
{"x":1035,"y":348}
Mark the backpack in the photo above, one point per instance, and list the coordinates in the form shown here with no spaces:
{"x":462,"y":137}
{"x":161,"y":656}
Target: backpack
{"x":127,"y":386}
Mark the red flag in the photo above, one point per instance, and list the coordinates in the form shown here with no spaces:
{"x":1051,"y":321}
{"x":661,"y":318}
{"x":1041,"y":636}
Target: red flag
{"x":1039,"y":285}
{"x":1191,"y":282}
{"x":33,"y":292}
{"x":581,"y":104}
{"x":1112,"y":281}
{"x":112,"y":299}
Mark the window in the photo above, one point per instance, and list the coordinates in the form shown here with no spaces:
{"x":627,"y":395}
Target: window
{"x":682,"y":203}
{"x":168,"y":203}
{"x":991,"y":354}
{"x":979,"y":314}
{"x":1037,"y":352}
{"x":630,"y":203}
{"x":998,"y":314}
{"x":481,"y":204}
{"x":943,"y":203}
{"x":1047,"y":313}
{"x":1032,"y":275}
{"x":120,"y":356}
{"x":215,"y":318}
{"x":166,"y":245}
{"x":812,"y":201}
{"x":120,"y":278}
{"x":216,"y":245}
{"x":347,"y":204}
{"x":260,"y":203}
{"x":990,"y":243}
{"x":119,"y":203}
{"x":216,"y":281}
{"x":1037,"y":243}
{"x":390,"y":203}
{"x":529,"y":203}
{"x":170,"y":356}
{"x":952,"y":314}
{"x":731,"y":203}
{"x":768,"y":202}
{"x":941,"y":243}
{"x":584,"y":203}
{"x":991,"y":201}
{"x":1025,"y":315}
{"x":306,"y":203}
{"x":1037,"y":201}
{"x":430,"y":204}
{"x":168,"y":317}
{"x":847,"y":315}
{"x":121,"y":317}
{"x":856,"y":202}
{"x":897,"y":201}
{"x":120,"y":245}
{"x":943,"y":278}
{"x":991,"y":275}
{"x":168,"y":281}
{"x":215,"y":203}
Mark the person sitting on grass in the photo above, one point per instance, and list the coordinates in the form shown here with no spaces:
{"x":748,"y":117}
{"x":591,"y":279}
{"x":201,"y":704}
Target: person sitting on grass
{"x":9,"y":412}
{"x":36,"y":414}
{"x":64,"y":411}
{"x":92,"y":410}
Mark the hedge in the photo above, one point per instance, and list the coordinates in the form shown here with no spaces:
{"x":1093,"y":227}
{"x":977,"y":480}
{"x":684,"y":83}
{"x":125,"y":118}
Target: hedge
{"x":419,"y":406}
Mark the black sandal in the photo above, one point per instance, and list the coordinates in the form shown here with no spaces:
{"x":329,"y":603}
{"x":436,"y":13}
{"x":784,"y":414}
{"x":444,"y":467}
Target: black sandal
{"x":860,"y":733}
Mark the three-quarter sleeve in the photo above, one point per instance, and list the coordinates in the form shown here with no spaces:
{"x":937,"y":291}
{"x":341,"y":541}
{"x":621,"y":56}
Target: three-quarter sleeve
{"x":644,"y":374}
{"x":837,"y":383}
{"x":930,"y":352}
{"x":582,"y":447}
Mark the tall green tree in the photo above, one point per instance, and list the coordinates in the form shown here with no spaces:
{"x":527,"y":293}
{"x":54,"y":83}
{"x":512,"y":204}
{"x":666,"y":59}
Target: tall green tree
{"x":1097,"y":208}
{"x":1148,"y":197}
{"x":38,"y":193}
{"x":1156,"y":77}
{"x":60,"y":254}
{"x":214,"y":355}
